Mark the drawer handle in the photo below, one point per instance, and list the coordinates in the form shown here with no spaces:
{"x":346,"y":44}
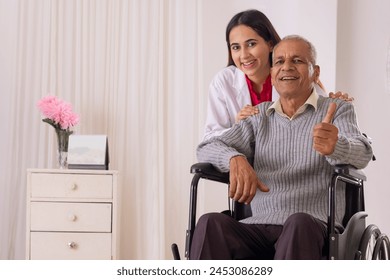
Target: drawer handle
{"x":73,"y":187}
{"x":72,"y":245}
{"x":72,"y":217}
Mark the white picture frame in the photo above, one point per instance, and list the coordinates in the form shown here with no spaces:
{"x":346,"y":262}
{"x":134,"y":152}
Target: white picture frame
{"x":88,"y":152}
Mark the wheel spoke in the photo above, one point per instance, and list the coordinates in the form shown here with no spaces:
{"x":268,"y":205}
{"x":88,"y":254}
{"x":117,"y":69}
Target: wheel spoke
{"x":368,"y":242}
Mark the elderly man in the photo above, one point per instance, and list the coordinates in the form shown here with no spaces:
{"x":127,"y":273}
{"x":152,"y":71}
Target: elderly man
{"x":292,"y":145}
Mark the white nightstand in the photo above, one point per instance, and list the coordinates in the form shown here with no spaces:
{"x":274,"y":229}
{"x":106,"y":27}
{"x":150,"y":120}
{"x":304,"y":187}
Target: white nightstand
{"x":72,"y":214}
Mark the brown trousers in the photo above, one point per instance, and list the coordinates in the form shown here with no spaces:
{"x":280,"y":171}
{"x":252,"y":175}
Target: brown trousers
{"x":218,"y":236}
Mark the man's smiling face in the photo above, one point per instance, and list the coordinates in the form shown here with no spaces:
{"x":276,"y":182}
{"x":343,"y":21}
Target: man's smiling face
{"x":293,"y":72}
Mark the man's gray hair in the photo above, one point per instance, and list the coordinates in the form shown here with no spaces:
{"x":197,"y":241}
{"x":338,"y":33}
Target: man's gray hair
{"x":312,"y":49}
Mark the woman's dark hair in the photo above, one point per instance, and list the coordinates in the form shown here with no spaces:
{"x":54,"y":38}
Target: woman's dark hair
{"x":258,"y":22}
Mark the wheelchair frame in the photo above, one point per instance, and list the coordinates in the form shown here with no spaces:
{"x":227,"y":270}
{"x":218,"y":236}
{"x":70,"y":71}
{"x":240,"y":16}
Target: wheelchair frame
{"x":355,"y":242}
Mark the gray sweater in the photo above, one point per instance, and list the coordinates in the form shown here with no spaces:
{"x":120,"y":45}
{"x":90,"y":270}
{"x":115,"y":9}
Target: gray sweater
{"x":282,"y":154}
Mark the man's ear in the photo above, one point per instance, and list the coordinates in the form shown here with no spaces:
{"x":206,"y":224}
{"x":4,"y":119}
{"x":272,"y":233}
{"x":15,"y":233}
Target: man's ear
{"x":316,"y":73}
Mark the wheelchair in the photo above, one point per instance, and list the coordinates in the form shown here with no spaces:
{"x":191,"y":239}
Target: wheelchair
{"x":355,"y":242}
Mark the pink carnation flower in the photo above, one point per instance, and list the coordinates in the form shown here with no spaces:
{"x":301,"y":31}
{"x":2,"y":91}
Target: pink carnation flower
{"x":58,"y":112}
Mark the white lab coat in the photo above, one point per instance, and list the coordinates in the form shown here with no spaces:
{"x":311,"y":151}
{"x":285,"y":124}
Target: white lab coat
{"x":228,"y":94}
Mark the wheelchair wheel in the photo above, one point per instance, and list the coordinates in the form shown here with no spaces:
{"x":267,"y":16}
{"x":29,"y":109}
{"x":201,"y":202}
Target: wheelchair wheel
{"x":368,"y":242}
{"x":382,"y":248}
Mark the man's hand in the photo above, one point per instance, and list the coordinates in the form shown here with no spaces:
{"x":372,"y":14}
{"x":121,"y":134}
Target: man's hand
{"x":325,"y":134}
{"x":243,"y":180}
{"x":246,"y":112}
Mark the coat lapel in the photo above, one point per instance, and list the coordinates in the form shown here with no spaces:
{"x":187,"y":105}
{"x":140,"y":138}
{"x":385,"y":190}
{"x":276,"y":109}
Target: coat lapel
{"x":242,"y":91}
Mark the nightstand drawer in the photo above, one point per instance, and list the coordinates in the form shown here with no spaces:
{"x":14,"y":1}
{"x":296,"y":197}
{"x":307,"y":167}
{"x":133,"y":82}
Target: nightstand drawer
{"x":76,"y":246}
{"x":80,"y":217}
{"x":45,"y":185}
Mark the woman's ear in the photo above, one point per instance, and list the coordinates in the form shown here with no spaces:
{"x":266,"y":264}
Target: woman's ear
{"x":271,"y":47}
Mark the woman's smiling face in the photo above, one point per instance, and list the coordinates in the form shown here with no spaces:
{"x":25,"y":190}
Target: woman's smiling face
{"x":249,"y":51}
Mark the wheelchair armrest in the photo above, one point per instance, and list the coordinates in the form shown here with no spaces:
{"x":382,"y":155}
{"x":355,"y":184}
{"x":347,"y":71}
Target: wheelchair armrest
{"x":350,"y":173}
{"x":208,"y":171}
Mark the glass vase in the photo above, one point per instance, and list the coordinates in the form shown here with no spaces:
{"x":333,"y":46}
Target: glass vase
{"x":63,"y":141}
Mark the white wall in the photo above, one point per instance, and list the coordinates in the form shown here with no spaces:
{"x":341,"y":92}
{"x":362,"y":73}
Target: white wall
{"x":362,"y":57}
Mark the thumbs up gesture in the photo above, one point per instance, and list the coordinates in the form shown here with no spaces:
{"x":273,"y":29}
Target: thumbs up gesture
{"x":325,"y":134}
